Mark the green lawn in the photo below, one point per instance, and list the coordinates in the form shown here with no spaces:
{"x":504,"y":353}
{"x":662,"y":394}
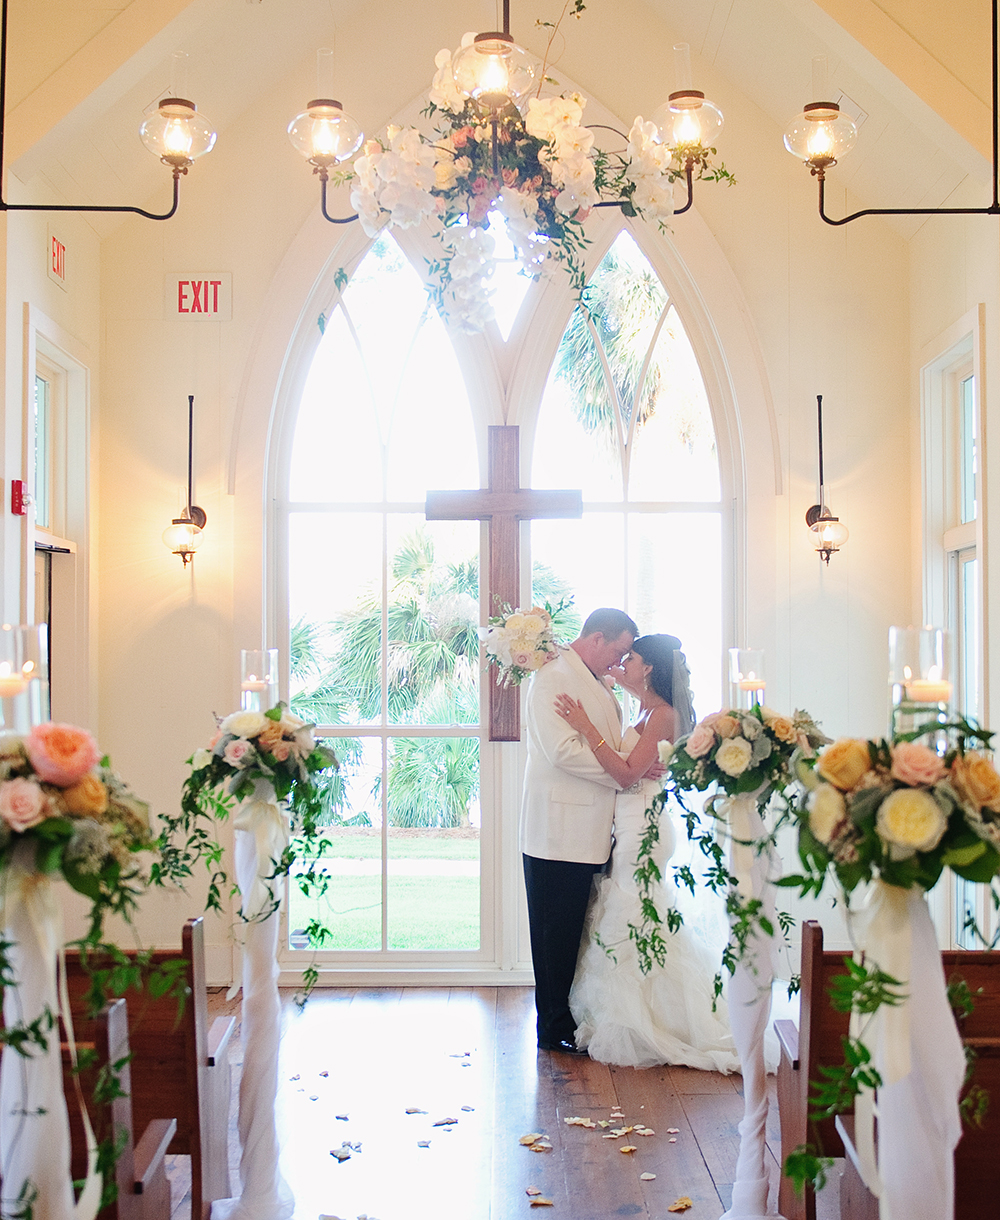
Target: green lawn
{"x":353,"y":846}
{"x":424,"y":912}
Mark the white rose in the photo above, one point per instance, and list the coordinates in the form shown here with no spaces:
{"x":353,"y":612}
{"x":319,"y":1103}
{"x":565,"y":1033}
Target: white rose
{"x":515,"y":622}
{"x":665,"y":752}
{"x":201,"y":759}
{"x":531,"y":625}
{"x":911,"y":820}
{"x":827,"y":811}
{"x":733,"y":755}
{"x":245,"y":724}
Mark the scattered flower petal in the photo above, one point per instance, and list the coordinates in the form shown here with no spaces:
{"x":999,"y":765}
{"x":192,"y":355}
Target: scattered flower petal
{"x":528,"y":1140}
{"x":445,"y":1122}
{"x":324,"y":1073}
{"x":532,"y":1190}
{"x":673,"y":1131}
{"x":681,"y":1204}
{"x":423,"y":1143}
{"x":647,"y":1177}
{"x":468,"y":1109}
{"x":343,"y":1117}
{"x":540,"y":1147}
{"x":627,"y":1148}
{"x":342,"y":1154}
{"x":580,"y":1122}
{"x":313,"y":1097}
{"x":415,"y":1110}
{"x":538,"y":1201}
{"x":672,"y":1140}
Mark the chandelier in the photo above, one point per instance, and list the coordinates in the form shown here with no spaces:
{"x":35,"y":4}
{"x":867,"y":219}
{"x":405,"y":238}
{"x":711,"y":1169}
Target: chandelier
{"x":494,"y":147}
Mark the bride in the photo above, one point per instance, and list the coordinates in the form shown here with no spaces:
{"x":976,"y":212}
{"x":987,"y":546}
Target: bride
{"x":624,"y":1016}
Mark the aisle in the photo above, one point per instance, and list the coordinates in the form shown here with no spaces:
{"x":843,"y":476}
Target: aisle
{"x":468,"y":1054}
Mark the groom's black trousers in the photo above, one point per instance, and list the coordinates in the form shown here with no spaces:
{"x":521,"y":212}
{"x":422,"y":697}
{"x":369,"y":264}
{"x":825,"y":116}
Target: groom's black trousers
{"x":558,"y":894}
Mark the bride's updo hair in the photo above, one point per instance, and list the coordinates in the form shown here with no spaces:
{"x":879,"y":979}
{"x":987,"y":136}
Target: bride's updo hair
{"x":658,"y":651}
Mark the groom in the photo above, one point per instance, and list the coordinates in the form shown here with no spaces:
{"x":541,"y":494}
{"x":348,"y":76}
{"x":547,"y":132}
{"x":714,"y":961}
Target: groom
{"x":567,"y":811}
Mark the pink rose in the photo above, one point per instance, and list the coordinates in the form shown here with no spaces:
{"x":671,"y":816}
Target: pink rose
{"x":236,"y":751}
{"x":281,"y":751}
{"x":22,"y":804}
{"x":701,"y":740}
{"x":521,"y":659}
{"x":711,"y":719}
{"x":916,"y":765}
{"x":479,"y":208}
{"x":61,"y":753}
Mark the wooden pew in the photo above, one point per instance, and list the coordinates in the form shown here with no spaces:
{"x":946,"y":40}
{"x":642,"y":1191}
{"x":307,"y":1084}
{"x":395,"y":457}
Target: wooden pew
{"x":805,"y":1047}
{"x":180,"y":1068}
{"x":140,"y":1173}
{"x":976,"y":1170}
{"x":817,"y":1041}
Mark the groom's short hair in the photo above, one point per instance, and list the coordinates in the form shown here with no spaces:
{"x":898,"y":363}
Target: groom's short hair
{"x":610,"y":623}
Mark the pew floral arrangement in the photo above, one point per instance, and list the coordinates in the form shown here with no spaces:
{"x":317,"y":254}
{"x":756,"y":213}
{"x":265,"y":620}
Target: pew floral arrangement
{"x":898,"y":811}
{"x":892,"y":813}
{"x":736,"y":753}
{"x":278,"y":750}
{"x":64,"y":808}
{"x":740,"y":752}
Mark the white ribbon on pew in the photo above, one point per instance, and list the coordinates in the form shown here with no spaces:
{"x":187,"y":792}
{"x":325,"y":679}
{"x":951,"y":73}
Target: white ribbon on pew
{"x":34,"y":1123}
{"x":749,"y":997}
{"x":261,"y":836}
{"x":917,"y":1050}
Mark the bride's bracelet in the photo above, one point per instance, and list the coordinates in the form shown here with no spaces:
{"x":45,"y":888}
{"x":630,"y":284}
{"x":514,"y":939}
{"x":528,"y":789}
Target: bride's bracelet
{"x":636,"y":787}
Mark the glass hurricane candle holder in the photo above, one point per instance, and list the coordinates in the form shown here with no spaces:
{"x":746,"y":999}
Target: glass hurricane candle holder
{"x":918,"y":679}
{"x":24,"y":677}
{"x":258,"y":679}
{"x":746,"y":678}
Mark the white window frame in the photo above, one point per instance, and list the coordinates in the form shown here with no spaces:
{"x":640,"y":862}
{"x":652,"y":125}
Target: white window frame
{"x":53,"y":353}
{"x":947,"y":542}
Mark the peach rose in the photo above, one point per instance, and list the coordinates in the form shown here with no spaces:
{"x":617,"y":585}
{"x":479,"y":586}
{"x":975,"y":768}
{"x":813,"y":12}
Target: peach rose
{"x":727,"y":726}
{"x":269,"y":737}
{"x":783,"y":729}
{"x":976,"y":780}
{"x":87,"y":798}
{"x":61,"y":753}
{"x":281,"y":751}
{"x":916,"y":765}
{"x":844,"y":762}
{"x":22,"y":804}
{"x":827,"y":812}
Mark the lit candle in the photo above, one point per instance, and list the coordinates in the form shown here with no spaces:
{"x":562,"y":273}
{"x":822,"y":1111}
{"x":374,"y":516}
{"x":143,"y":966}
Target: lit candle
{"x":258,"y":688}
{"x":927,"y":690}
{"x":750,"y":682}
{"x":11,"y":683}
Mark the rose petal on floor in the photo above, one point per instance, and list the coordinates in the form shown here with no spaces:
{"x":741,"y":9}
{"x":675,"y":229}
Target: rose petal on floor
{"x":532,"y":1190}
{"x":647,"y":1177}
{"x":445,"y":1122}
{"x":627,"y":1148}
{"x":673,"y":1131}
{"x":423,"y":1143}
{"x":468,"y":1109}
{"x":538,"y":1201}
{"x":415,"y":1110}
{"x":680,"y":1205}
{"x":528,"y":1140}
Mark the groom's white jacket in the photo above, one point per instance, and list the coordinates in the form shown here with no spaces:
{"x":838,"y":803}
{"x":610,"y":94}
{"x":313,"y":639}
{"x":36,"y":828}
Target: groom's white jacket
{"x":569,"y":799}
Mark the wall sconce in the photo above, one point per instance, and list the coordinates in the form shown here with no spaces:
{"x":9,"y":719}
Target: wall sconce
{"x":829,"y":532}
{"x":183,"y":534}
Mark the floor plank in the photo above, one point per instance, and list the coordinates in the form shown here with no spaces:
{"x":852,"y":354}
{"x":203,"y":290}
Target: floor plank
{"x":470,"y":1054}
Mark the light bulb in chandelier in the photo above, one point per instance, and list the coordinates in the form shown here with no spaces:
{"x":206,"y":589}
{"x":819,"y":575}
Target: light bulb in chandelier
{"x":687,"y":121}
{"x":324,"y":134}
{"x":494,"y":70}
{"x":183,"y":535}
{"x":177,"y":133}
{"x":820,"y":135}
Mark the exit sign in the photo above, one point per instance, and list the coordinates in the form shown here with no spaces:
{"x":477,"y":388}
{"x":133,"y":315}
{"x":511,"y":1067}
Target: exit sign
{"x":205,"y":296}
{"x":56,"y":259}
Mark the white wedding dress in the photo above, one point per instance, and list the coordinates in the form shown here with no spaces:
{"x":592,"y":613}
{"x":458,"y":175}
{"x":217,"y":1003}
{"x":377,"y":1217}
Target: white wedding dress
{"x":624,"y":1016}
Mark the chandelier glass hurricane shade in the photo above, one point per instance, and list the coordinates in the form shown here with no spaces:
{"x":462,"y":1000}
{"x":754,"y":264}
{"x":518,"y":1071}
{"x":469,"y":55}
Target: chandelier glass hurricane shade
{"x":183,"y":535}
{"x":829,"y":532}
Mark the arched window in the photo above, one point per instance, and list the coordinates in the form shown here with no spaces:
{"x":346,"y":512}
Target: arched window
{"x":625,"y":416}
{"x":383,"y":607}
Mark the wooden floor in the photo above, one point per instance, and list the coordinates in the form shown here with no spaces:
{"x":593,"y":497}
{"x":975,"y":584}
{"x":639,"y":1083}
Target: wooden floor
{"x":357,"y":1059}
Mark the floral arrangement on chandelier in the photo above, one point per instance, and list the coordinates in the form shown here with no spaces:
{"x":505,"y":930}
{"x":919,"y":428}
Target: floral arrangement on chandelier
{"x":529,"y":159}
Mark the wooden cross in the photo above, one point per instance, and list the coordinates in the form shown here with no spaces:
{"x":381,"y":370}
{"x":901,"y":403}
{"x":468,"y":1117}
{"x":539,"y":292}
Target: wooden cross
{"x":504,"y":505}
